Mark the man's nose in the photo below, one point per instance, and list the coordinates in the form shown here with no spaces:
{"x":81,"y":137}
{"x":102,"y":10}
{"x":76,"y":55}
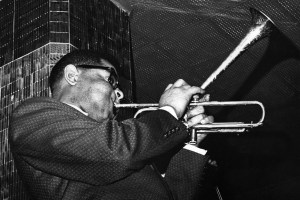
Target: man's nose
{"x":119,"y":95}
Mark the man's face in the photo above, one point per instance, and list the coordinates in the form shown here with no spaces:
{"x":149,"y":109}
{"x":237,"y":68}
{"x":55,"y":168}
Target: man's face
{"x":97,"y":96}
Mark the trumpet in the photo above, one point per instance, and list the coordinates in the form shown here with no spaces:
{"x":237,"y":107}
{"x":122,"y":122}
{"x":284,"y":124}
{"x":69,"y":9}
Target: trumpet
{"x":208,"y":128}
{"x":261,"y":27}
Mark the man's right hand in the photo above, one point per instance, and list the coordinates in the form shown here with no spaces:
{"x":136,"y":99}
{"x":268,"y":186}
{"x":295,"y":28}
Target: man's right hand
{"x":178,"y":96}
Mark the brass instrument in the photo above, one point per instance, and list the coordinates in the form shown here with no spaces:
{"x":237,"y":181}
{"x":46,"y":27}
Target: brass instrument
{"x":261,"y":27}
{"x":214,"y":127}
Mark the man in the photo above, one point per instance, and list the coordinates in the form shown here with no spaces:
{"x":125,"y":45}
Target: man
{"x":70,"y":146}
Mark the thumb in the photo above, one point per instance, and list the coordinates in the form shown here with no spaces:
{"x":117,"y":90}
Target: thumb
{"x":169,"y":86}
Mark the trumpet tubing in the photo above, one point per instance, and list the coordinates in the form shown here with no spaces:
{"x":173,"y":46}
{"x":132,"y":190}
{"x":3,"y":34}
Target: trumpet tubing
{"x":207,"y":103}
{"x":208,"y":128}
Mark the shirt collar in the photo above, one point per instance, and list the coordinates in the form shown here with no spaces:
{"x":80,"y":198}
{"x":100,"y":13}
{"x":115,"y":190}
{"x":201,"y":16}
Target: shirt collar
{"x":77,"y":108}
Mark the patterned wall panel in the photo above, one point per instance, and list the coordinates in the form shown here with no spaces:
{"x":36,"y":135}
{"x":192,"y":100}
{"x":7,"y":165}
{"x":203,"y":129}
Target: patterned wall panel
{"x":100,"y":25}
{"x":31,"y":26}
{"x":59,"y":21}
{"x":21,"y":79}
{"x":6,"y":31}
{"x":35,"y":35}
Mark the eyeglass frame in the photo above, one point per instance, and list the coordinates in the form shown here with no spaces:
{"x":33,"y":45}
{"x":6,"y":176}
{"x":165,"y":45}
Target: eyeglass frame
{"x":113,"y":77}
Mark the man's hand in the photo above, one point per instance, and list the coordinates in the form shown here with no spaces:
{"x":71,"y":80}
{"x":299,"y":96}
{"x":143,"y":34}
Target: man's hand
{"x":196,"y":116}
{"x":178,"y":96}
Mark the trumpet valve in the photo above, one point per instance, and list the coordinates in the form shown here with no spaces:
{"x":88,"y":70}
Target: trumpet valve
{"x":193,"y":132}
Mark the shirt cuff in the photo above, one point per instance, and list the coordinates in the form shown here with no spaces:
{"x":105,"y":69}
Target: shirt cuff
{"x":170,"y":110}
{"x":195,"y":149}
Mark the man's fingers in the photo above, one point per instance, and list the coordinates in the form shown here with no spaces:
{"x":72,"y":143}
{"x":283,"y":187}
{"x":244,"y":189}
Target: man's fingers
{"x":191,"y":89}
{"x":195,"y":111}
{"x":178,"y":95}
{"x":196,"y":120}
{"x":195,"y":90}
{"x":169,"y":86}
{"x":200,"y":119}
{"x":179,"y":83}
{"x":205,"y":98}
{"x":207,"y":120}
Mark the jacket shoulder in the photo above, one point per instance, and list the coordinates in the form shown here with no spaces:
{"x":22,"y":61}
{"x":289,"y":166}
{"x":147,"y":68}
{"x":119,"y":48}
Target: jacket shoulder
{"x":39,"y":103}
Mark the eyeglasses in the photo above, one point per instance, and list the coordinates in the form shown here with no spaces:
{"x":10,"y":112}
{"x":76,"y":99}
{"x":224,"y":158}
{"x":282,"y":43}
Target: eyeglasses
{"x":113,"y":77}
{"x":113,"y":81}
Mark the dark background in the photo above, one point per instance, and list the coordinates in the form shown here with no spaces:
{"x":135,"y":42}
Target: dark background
{"x":189,"y":40}
{"x":171,"y":39}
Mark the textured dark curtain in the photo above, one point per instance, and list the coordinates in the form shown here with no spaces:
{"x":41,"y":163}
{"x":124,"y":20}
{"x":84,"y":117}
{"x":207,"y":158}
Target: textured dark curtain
{"x":189,"y":39}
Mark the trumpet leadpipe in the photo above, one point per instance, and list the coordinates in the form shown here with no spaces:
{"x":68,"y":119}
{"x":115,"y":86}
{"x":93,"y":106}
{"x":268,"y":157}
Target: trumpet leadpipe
{"x":136,"y":105}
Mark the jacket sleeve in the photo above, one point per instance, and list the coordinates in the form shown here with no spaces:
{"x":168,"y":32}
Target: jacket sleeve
{"x":72,"y":146}
{"x":184,"y":173}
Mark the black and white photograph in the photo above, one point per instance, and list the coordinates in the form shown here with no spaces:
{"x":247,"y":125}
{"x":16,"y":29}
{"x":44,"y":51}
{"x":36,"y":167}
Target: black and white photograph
{"x":149,"y":100}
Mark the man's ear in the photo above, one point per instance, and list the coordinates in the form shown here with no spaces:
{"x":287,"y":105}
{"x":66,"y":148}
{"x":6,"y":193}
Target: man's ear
{"x":71,"y":74}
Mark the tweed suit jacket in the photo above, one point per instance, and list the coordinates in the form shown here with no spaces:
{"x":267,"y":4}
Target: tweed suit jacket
{"x":62,"y":154}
